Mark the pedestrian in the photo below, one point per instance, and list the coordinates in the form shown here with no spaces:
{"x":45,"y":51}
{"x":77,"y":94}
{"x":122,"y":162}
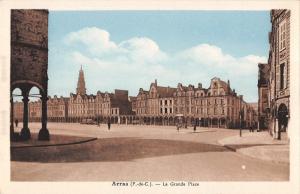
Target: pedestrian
{"x":251,"y":129}
{"x":16,"y":122}
{"x":108,"y":124}
{"x":177,"y":127}
{"x":195,"y":125}
{"x":98,"y":122}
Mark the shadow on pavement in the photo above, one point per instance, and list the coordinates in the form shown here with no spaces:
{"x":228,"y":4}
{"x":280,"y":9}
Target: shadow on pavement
{"x":112,"y":149}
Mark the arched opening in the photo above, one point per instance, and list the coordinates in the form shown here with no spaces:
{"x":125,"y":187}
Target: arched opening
{"x":171,"y":121}
{"x":214,"y":122}
{"x":17,"y":108}
{"x":223,"y":122}
{"x":31,"y":106}
{"x":282,"y":119}
{"x":35,"y":110}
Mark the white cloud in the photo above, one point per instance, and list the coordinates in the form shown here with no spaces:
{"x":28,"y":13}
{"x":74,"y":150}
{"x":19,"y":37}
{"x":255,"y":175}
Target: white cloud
{"x":95,"y":39}
{"x":139,"y":60}
{"x":210,"y":56}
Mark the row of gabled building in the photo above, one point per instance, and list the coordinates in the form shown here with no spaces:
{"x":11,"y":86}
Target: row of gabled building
{"x":216,"y":106}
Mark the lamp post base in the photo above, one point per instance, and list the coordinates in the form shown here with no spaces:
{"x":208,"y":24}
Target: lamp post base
{"x":25,"y":134}
{"x":44,"y":135}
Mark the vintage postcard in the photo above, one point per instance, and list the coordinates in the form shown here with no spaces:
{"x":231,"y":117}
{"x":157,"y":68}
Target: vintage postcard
{"x":159,"y":96}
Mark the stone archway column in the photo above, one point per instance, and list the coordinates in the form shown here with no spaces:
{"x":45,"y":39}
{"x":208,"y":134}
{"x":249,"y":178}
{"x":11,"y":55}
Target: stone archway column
{"x":44,"y":133}
{"x":11,"y":118}
{"x":25,"y":132}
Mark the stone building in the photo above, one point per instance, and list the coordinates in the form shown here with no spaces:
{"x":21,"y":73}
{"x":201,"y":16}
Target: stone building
{"x":29,"y":65}
{"x":102,"y":107}
{"x":18,"y":110}
{"x":57,"y":109}
{"x":279,"y":79}
{"x":35,"y":111}
{"x":274,"y":79}
{"x":263,"y":95}
{"x":216,"y":106}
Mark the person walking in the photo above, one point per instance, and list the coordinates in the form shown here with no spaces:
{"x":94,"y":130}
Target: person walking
{"x":108,"y":124}
{"x":16,"y":122}
{"x":251,"y":129}
{"x":195,"y":126}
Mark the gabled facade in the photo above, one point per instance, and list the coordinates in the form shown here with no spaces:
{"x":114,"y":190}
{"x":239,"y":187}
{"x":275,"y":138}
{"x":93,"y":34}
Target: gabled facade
{"x":217,"y":106}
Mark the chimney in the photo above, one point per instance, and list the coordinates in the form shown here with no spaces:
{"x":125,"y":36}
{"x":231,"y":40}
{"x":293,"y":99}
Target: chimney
{"x":241,"y":97}
{"x":199,"y":85}
{"x":155,"y":82}
{"x":228,"y":82}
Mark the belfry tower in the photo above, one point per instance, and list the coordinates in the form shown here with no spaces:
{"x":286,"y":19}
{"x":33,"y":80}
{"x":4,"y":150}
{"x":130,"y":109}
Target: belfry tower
{"x":81,"y":90}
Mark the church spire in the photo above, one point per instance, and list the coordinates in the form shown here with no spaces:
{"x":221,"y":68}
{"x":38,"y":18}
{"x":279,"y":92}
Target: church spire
{"x":81,"y":83}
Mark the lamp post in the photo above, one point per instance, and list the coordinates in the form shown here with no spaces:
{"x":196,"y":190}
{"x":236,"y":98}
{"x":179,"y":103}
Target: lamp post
{"x":241,"y":116}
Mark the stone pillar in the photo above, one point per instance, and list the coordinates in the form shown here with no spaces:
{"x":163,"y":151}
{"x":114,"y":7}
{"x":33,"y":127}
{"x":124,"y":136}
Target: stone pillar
{"x":44,"y":133}
{"x":25,"y":132}
{"x":11,"y":118}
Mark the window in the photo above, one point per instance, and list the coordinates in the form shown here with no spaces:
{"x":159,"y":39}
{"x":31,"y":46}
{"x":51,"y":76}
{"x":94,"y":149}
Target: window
{"x":282,"y":76}
{"x":161,"y":102}
{"x":166,"y":102}
{"x":215,"y":101}
{"x":171,"y":110}
{"x":170,"y":101}
{"x":282,"y":35}
{"x":166,"y":110}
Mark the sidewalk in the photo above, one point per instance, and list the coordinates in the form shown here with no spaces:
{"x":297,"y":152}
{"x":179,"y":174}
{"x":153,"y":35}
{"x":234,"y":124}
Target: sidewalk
{"x":259,"y":145}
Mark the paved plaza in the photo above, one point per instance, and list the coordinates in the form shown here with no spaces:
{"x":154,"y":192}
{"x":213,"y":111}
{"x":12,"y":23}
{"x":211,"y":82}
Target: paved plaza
{"x":137,"y":152}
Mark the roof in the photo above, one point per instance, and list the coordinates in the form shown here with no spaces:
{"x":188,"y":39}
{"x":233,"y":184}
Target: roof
{"x":165,"y":91}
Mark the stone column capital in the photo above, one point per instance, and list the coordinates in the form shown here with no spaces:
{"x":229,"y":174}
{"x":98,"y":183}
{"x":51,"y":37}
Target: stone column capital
{"x":25,"y":99}
{"x":44,"y":98}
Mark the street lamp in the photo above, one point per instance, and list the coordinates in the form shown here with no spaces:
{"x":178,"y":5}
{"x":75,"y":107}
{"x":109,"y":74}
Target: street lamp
{"x":241,"y":116}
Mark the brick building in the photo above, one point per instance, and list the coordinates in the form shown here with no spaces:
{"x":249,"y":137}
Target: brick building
{"x":216,"y":106}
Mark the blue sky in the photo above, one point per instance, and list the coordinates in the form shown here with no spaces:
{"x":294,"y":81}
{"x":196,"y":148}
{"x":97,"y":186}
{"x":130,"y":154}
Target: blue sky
{"x":129,"y":49}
